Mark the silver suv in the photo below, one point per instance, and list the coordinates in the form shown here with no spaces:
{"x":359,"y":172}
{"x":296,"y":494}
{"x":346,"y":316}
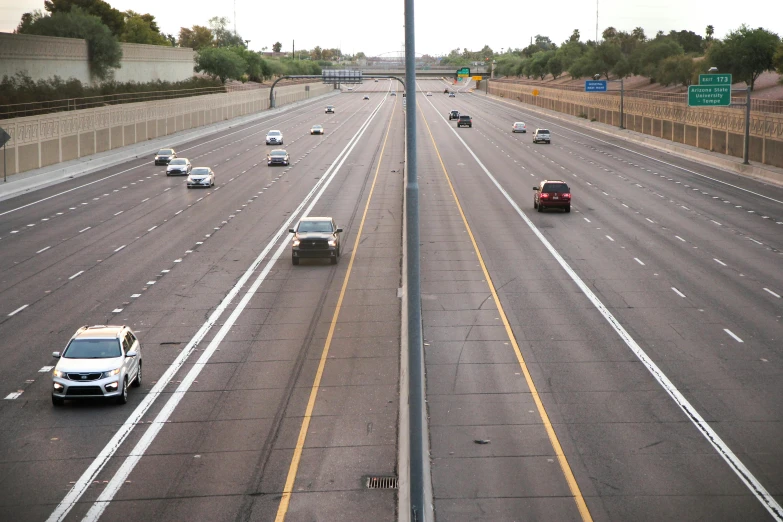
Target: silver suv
{"x":541,"y":135}
{"x":274,"y":137}
{"x":99,"y":361}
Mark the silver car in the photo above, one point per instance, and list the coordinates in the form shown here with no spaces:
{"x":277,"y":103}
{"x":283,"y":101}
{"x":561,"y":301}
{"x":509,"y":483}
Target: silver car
{"x":178,"y":166}
{"x":274,"y":137}
{"x":99,"y":362}
{"x":201,"y":177}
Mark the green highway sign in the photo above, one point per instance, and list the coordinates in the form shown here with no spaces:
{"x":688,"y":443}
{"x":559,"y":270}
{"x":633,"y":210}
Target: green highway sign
{"x":709,"y":95}
{"x":465,"y":71}
{"x":715,"y":79}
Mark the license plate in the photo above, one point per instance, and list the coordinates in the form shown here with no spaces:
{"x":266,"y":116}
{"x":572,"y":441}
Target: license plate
{"x":555,"y":197}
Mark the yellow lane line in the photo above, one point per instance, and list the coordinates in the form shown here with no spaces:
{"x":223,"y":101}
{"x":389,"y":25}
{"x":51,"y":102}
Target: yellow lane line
{"x":569,"y":476}
{"x":289,"y":483}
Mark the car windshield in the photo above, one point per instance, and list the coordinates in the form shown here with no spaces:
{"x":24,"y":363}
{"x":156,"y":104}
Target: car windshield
{"x":93,"y":349}
{"x":277,"y":153}
{"x":198,"y":171}
{"x":519,"y":124}
{"x":274,"y":133}
{"x":315,"y":226}
{"x":560,"y":188}
{"x":177,"y":162}
{"x":330,"y":106}
{"x":165,"y":152}
{"x":316,"y":126}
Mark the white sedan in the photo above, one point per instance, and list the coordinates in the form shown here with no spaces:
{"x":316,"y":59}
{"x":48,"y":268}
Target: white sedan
{"x":178,"y":166}
{"x":201,"y":177}
{"x":429,"y":94}
{"x":519,"y":127}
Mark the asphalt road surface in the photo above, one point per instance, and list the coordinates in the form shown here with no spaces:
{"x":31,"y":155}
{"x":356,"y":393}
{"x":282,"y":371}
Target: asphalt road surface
{"x":619,"y":362}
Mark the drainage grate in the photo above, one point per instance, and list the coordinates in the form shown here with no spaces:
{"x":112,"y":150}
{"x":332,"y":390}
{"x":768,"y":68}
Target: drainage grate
{"x":381,"y":482}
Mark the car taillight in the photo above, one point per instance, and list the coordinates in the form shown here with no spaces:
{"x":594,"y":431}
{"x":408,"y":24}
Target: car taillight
{"x":566,"y":196}
{"x":544,"y":195}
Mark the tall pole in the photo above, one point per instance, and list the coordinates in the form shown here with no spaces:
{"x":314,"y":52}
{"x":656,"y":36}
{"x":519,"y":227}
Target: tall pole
{"x":415,"y":338}
{"x":746,"y":145}
{"x":596,"y":21}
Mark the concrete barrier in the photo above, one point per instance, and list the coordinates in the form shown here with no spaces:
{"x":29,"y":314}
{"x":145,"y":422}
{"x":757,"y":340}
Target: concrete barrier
{"x":39,"y":141}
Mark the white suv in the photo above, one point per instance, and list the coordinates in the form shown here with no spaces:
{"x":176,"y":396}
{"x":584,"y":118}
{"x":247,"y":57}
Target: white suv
{"x":99,"y":361}
{"x":274,"y":137}
{"x":541,"y":135}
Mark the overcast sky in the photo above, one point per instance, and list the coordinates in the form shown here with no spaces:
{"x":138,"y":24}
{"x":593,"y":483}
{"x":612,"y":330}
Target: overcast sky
{"x":376,"y":27}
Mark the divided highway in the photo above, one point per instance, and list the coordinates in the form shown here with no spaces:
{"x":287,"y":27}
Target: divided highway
{"x":619,"y":362}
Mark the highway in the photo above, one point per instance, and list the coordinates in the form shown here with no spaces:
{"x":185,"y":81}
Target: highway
{"x":619,"y":362}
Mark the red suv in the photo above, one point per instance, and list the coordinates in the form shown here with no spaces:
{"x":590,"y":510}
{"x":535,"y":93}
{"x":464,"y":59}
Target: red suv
{"x":552,"y":194}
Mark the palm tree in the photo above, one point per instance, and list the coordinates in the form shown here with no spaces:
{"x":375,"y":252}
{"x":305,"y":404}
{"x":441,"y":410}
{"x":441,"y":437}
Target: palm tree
{"x":638,"y":34}
{"x":710,"y":32}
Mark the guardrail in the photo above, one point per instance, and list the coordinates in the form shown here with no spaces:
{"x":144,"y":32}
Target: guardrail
{"x":757,"y":105}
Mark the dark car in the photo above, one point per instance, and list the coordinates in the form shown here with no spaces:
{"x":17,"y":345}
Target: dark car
{"x":464,"y":121}
{"x":277,"y":157}
{"x":552,"y":194}
{"x":453,"y":115}
{"x":164,"y":156}
{"x":316,"y":237}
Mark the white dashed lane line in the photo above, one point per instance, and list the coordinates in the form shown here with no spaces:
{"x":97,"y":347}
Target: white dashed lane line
{"x":77,"y":274}
{"x":733,"y":335}
{"x":43,"y":249}
{"x":17,"y":310}
{"x":678,"y":292}
{"x":771,"y":292}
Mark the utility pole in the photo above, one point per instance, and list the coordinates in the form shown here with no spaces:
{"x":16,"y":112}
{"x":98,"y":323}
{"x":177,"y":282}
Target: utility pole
{"x":596,"y":22}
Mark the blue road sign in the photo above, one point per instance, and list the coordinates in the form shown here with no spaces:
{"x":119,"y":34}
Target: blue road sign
{"x":595,"y":86}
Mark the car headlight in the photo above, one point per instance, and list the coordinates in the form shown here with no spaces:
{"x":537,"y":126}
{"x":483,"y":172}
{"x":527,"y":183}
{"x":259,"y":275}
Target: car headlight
{"x":111,"y":373}
{"x":58,"y":373}
{"x":296,"y":242}
{"x":332,"y":242}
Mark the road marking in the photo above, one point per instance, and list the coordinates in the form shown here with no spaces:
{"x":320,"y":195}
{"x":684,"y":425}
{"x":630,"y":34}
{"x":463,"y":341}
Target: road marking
{"x":85,"y":229}
{"x":650,"y":220}
{"x":118,"y":213}
{"x":80,"y":487}
{"x":295,"y":459}
{"x":639,"y":261}
{"x":77,"y":274}
{"x":678,"y":292}
{"x":151,"y":229}
{"x":771,"y":292}
{"x":733,"y":335}
{"x":553,"y":439}
{"x":681,"y":239}
{"x":134,"y":296}
{"x":45,"y":369}
{"x":609,"y":238}
{"x":716,"y":222}
{"x":120,"y":248}
{"x":719,"y":261}
{"x":18,"y":310}
{"x":43,"y":249}
{"x":14,"y":395}
{"x":116,"y":310}
{"x":736,"y":465}
{"x":757,"y":242}
{"x":587,"y":220}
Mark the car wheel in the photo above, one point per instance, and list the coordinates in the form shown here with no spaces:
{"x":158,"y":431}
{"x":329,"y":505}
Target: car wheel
{"x":57,"y":401}
{"x":137,"y":380}
{"x":540,"y":207}
{"x":535,"y":205}
{"x":294,"y":260}
{"x":167,"y":174}
{"x":122,"y":398}
{"x":568,"y":209}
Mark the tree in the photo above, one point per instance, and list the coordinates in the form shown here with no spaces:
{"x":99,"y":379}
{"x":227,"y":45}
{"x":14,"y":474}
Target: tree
{"x":570,"y":52}
{"x":540,"y":64}
{"x":111,"y":17}
{"x":609,"y":33}
{"x":102,"y":47}
{"x":746,"y":53}
{"x":544,"y":42}
{"x":777,"y":60}
{"x":677,"y":70}
{"x":574,"y":36}
{"x":317,"y":53}
{"x":555,"y":65}
{"x":197,"y":37}
{"x":257,"y":69}
{"x":709,"y":32}
{"x":622,"y":68}
{"x":276,"y":47}
{"x":638,"y":34}
{"x":646,"y":60}
{"x":221,"y":62}
{"x":224,"y":37}
{"x":27,"y":20}
{"x":690,"y":41}
{"x":605,"y":57}
{"x":142,"y":29}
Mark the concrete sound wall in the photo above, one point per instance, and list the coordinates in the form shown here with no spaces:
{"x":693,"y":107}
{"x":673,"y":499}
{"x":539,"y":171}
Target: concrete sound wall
{"x":45,"y":56}
{"x":717,"y":129}
{"x":39,"y":141}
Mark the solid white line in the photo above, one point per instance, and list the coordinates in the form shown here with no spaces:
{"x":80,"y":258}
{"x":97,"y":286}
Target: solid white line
{"x":678,"y":292}
{"x":733,"y":335}
{"x":18,"y":310}
{"x":771,"y":292}
{"x":81,"y":485}
{"x":43,"y":249}
{"x":719,"y":261}
{"x":77,"y":274}
{"x":690,"y":412}
{"x":639,"y":261}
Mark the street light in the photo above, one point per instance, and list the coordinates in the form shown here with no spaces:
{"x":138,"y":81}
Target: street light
{"x":712,"y":69}
{"x":622,"y":98}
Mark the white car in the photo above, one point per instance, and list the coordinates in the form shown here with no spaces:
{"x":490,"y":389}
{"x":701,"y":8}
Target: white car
{"x":330,"y":109}
{"x":274,"y":137}
{"x":429,"y":94}
{"x":519,"y":127}
{"x":201,"y":177}
{"x":99,"y":362}
{"x":178,"y":166}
